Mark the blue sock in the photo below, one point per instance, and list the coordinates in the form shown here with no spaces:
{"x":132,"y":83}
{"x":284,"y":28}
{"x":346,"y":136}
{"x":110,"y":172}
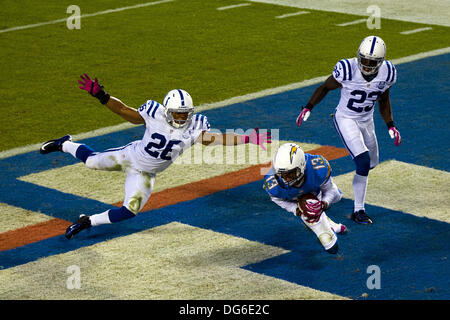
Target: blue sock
{"x":83,"y":152}
{"x":120,"y":214}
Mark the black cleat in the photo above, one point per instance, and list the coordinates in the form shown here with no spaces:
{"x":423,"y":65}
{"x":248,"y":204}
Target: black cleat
{"x":361,"y":217}
{"x":83,"y":223}
{"x":54,"y":145}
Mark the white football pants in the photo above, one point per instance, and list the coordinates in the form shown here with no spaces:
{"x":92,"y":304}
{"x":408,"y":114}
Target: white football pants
{"x":138,"y":184}
{"x":358,"y":136}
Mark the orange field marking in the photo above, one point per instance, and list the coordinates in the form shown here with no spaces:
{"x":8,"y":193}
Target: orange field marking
{"x":55,"y":227}
{"x":33,"y":233}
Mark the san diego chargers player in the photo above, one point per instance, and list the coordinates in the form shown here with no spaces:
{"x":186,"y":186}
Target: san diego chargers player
{"x":295,"y":173}
{"x":363,"y":80}
{"x":170,"y":128}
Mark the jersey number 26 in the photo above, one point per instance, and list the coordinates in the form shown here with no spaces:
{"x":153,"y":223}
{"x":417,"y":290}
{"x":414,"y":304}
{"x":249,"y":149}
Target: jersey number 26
{"x":163,"y":148}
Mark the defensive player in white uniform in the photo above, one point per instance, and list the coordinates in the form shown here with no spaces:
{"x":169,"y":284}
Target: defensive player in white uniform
{"x":363,"y":81}
{"x":170,"y":129}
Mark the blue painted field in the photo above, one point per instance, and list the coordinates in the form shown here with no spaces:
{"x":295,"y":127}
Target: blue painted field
{"x":412,"y":252}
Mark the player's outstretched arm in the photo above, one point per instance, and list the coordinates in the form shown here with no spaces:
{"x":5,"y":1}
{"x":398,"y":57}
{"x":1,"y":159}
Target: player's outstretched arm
{"x":318,"y":95}
{"x":231,"y":139}
{"x":115,"y":105}
{"x":384,"y":103}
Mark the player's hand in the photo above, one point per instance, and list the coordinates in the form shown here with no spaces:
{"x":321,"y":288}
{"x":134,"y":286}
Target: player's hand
{"x":314,"y":209}
{"x":303,"y":116}
{"x":94,"y":88}
{"x":257,"y":138}
{"x":395,"y":134}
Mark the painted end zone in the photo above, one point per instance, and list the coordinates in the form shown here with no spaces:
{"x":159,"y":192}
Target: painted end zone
{"x":171,"y":196}
{"x":411,"y":251}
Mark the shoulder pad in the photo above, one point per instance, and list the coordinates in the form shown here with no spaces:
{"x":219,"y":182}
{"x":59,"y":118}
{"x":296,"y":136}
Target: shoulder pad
{"x":391,"y":73}
{"x":150,"y":109}
{"x":200,"y":122}
{"x":343,"y":71}
{"x":321,"y":168}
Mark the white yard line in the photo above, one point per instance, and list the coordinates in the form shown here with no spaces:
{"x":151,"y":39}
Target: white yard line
{"x":416,"y":30}
{"x":220,"y":104}
{"x":35,"y":25}
{"x":351,"y":22}
{"x":435,"y":12}
{"x":234,"y":6}
{"x":287,"y":15}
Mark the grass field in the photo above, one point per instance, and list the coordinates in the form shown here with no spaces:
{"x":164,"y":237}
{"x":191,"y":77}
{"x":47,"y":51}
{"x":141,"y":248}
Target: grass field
{"x":142,"y":53}
{"x":209,"y":231}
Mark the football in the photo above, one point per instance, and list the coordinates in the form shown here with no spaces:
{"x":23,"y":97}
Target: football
{"x":302,"y":201}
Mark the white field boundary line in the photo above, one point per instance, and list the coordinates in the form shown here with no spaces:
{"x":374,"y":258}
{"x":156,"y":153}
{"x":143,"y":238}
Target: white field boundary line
{"x":233,"y":6}
{"x":287,"y":15}
{"x":220,"y":104}
{"x":352,"y":22}
{"x":416,"y":30}
{"x":141,"y":5}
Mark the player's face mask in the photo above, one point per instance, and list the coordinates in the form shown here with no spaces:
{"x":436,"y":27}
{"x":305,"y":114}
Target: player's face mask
{"x":179,"y":119}
{"x":292,"y":177}
{"x":369,"y":66}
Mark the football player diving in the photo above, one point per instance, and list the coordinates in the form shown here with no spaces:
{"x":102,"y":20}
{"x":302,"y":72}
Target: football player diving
{"x":170,"y":128}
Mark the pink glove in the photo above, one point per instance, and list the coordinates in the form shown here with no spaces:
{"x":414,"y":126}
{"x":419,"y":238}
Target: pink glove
{"x":393,"y":132}
{"x":303,"y":116}
{"x":94,"y":88}
{"x":314,"y":210}
{"x":90,"y":86}
{"x":257,"y":138}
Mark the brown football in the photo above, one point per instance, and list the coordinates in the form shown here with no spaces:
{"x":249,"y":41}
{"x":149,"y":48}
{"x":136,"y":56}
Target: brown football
{"x":302,"y":206}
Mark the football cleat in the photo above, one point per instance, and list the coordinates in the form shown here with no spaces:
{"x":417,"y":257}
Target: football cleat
{"x":54,"y":145}
{"x":82,"y":223}
{"x":361,"y":217}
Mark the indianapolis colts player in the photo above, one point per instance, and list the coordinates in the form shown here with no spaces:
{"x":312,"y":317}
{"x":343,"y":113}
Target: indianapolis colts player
{"x":295,"y":173}
{"x":170,"y":128}
{"x":363,"y":80}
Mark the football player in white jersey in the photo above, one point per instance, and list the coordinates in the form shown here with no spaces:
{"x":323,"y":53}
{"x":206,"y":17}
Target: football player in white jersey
{"x":363,"y":81}
{"x":170,"y":128}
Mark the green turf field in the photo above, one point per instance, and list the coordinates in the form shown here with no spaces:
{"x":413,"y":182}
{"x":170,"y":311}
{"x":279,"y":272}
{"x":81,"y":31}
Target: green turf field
{"x":142,"y":53}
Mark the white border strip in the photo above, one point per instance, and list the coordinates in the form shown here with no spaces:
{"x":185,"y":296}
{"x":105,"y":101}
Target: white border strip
{"x":220,"y":104}
{"x":287,"y":15}
{"x":416,"y":30}
{"x":352,"y":22}
{"x":29,"y":26}
{"x":233,"y":6}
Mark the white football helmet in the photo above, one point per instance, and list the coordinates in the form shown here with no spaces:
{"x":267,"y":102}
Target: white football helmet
{"x":178,"y":101}
{"x":289,"y":164}
{"x":371,"y":53}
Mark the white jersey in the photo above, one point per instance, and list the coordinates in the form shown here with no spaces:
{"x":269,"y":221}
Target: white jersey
{"x":358,"y":96}
{"x":162,"y":143}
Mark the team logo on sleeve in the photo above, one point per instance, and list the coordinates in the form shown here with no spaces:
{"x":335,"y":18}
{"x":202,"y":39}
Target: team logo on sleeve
{"x":336,"y":72}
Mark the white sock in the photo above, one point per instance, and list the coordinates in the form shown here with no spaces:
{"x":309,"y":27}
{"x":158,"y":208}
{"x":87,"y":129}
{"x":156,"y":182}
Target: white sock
{"x":100,"y":218}
{"x":359,"y":191}
{"x":70,"y":147}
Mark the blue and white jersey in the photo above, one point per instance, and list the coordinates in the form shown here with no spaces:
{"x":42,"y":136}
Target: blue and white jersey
{"x":358,"y":96}
{"x":317,"y":173}
{"x":162,"y":143}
